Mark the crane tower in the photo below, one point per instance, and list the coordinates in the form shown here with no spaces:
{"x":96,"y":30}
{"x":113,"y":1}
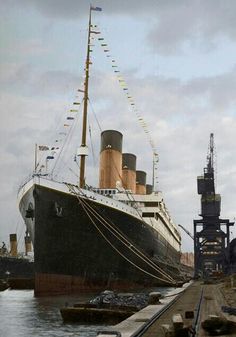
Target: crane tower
{"x":211,"y":242}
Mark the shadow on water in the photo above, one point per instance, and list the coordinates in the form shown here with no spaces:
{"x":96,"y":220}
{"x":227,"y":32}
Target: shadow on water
{"x":23,"y":315}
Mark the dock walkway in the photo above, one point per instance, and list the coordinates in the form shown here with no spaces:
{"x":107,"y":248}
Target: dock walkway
{"x":197,"y":298}
{"x":187,"y":302}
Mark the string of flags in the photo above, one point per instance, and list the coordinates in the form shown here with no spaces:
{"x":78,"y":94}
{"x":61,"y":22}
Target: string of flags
{"x":70,"y":119}
{"x":43,"y":148}
{"x":124,"y":87}
{"x":73,"y":111}
{"x":52,"y":151}
{"x":99,"y":9}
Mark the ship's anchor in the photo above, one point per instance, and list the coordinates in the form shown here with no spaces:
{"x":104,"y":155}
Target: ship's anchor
{"x":58,"y":209}
{"x":29,"y":213}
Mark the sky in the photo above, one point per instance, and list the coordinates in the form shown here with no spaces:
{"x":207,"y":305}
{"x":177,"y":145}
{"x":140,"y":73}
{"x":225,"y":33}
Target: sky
{"x":178,"y":62}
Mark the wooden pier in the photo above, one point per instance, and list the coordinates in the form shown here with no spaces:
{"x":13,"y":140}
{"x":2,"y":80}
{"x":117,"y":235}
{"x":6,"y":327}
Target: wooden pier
{"x":195,"y":311}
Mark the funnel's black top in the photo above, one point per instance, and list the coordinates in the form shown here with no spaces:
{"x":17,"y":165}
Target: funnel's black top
{"x":111,"y":139}
{"x":129,"y":161}
{"x":141,"y":177}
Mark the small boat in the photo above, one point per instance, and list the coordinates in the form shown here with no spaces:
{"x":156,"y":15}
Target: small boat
{"x":106,"y":308}
{"x":90,"y":313}
{"x":3,"y":285}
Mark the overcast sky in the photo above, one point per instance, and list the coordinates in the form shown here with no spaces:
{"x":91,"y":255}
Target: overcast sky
{"x":178,"y":60}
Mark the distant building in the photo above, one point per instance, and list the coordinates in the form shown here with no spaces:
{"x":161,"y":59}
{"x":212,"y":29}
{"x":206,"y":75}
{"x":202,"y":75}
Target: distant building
{"x":187,"y":259}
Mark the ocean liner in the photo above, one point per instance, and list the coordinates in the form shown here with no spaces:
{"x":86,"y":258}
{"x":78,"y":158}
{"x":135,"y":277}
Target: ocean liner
{"x":16,"y":265}
{"x":117,"y":236}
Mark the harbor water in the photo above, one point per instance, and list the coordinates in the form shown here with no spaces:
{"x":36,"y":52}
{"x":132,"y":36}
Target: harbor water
{"x":23,"y":315}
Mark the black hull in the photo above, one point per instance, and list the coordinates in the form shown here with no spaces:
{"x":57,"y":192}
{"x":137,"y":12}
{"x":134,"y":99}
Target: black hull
{"x":74,"y":252}
{"x":16,"y":268}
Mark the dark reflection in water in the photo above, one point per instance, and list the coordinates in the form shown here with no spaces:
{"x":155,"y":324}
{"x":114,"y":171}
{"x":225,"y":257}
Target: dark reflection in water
{"x":23,"y":315}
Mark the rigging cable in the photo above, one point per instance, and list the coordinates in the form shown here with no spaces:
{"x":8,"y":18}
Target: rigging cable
{"x":124,"y":87}
{"x":66,"y":142}
{"x":91,"y":106}
{"x":88,"y":208}
{"x":92,"y":148}
{"x":120,"y":252}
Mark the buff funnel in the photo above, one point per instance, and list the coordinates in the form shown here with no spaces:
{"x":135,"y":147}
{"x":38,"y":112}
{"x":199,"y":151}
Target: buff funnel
{"x":141,"y":182}
{"x":110,"y":173}
{"x":129,"y":171}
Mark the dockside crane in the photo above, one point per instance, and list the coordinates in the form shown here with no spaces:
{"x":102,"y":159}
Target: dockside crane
{"x":211,"y":233}
{"x":186,"y":231}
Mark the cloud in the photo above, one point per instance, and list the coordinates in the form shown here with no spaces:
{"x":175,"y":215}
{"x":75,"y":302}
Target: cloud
{"x":180,"y":114}
{"x":178,"y":120}
{"x":199,"y":24}
{"x":173,"y":24}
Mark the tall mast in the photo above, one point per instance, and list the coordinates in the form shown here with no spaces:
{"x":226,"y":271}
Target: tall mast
{"x":83,"y":146}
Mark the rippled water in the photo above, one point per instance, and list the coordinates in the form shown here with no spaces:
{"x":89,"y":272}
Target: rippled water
{"x":23,"y":315}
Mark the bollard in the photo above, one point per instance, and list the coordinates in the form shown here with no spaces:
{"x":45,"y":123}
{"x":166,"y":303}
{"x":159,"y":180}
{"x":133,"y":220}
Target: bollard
{"x":154,"y":297}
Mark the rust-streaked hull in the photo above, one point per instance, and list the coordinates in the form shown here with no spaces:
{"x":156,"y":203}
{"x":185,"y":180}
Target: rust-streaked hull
{"x":76,"y":254}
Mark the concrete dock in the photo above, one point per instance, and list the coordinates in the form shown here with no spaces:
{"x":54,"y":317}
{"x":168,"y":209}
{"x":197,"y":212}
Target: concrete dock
{"x":194,"y":300}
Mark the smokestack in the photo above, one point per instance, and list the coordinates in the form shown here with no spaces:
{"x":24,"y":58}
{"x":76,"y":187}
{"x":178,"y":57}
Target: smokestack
{"x":141,"y":182}
{"x":13,"y":245}
{"x":28,"y":245}
{"x":129,"y":171}
{"x":149,"y":189}
{"x":110,"y":159}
